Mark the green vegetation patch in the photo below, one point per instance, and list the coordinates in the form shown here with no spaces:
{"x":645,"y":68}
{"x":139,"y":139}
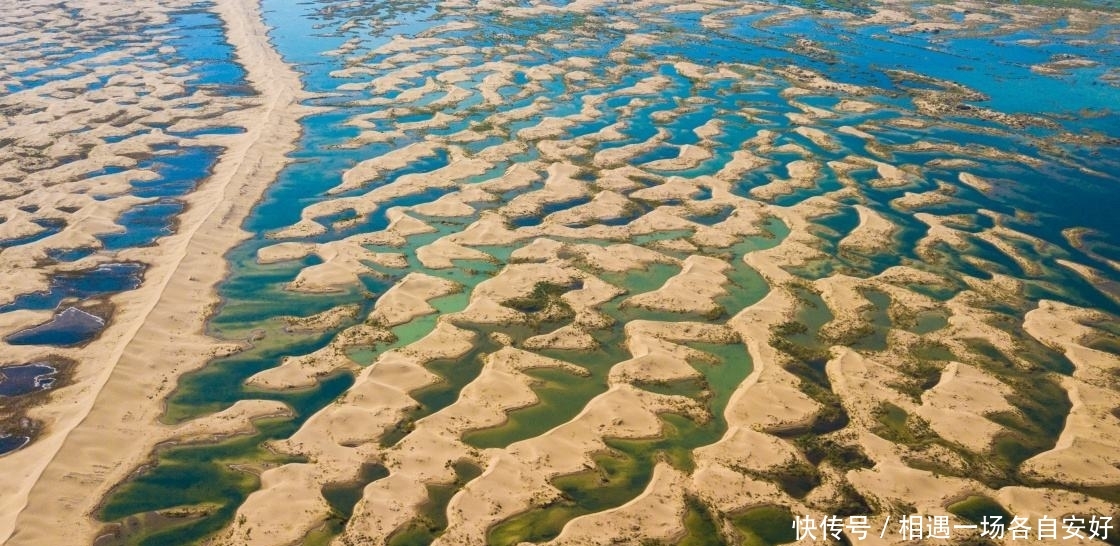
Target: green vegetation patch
{"x":764,"y":526}
{"x":898,"y":426}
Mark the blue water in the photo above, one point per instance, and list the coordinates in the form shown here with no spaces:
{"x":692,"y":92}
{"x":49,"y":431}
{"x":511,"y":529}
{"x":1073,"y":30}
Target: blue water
{"x":198,"y":38}
{"x":143,"y":225}
{"x":12,"y":442}
{"x":1057,"y":194}
{"x":100,"y":281}
{"x":68,"y":328}
{"x":201,"y":42}
{"x":548,"y":208}
{"x":19,"y":380}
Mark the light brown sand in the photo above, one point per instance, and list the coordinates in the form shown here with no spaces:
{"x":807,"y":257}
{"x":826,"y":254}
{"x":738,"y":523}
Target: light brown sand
{"x":99,"y":433}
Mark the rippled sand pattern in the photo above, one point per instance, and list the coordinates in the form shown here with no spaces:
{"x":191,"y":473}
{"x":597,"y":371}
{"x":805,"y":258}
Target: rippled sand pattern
{"x":664,"y":273}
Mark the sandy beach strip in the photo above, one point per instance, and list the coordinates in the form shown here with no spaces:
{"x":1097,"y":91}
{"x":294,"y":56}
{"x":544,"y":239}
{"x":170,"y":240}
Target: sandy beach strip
{"x":105,"y":431}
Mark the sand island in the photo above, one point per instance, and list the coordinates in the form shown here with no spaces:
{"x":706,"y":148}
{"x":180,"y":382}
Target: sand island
{"x":502,"y":273}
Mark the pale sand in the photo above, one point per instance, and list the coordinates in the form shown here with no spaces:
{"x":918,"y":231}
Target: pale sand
{"x":321,"y":322}
{"x":409,"y":298}
{"x":99,"y":435}
{"x":952,"y":406}
{"x":655,"y":514}
{"x":343,"y":435}
{"x":338,"y":439}
{"x":693,"y":290}
{"x":873,"y":235}
{"x":802,"y":174}
{"x":1085,"y":451}
{"x":298,"y":372}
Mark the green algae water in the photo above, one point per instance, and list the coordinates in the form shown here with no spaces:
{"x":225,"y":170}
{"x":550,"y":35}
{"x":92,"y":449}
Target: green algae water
{"x":625,"y":469}
{"x":334,"y":45}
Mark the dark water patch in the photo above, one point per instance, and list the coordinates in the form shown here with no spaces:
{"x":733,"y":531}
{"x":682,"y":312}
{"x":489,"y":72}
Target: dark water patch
{"x":837,"y":225}
{"x":820,"y":449}
{"x":878,"y":322}
{"x":807,"y":356}
{"x":120,"y":534}
{"x":794,"y":477}
{"x":977,"y":508}
{"x":454,"y":374}
{"x":899,"y":426}
{"x":144,"y":224}
{"x":10,"y":443}
{"x":102,"y":280}
{"x":700,"y":525}
{"x":201,"y":43}
{"x":1106,"y":343}
{"x":713,"y":216}
{"x":1058,"y":197}
{"x":746,"y":286}
{"x":1041,"y":404}
{"x":25,"y":379}
{"x":22,"y":388}
{"x":342,"y":497}
{"x":547,"y":209}
{"x":922,"y":374}
{"x":562,"y":394}
{"x":619,"y":475}
{"x":71,"y":326}
{"x":254,"y":292}
{"x":932,"y":351}
{"x":50,"y":227}
{"x":108,"y":169}
{"x":180,"y":171}
{"x":691,"y":388}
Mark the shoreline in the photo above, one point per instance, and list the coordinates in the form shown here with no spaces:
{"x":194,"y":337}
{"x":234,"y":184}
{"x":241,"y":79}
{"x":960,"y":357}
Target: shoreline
{"x":101,"y":434}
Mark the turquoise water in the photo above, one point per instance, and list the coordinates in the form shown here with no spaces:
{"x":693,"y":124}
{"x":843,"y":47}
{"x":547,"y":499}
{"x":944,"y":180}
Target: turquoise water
{"x":1073,"y":185}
